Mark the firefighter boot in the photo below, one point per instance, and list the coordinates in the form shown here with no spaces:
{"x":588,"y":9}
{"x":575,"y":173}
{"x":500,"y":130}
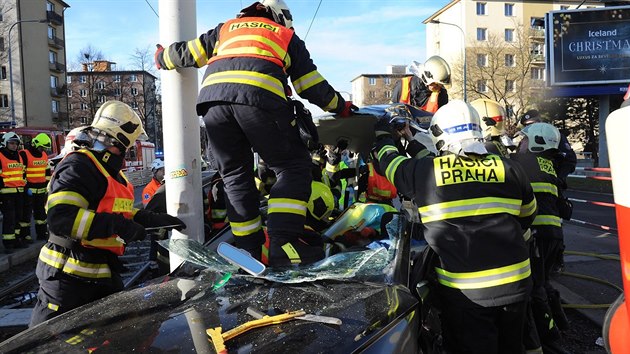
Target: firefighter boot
{"x":547,"y":329}
{"x":25,"y":232}
{"x":9,"y":246}
{"x":302,"y":250}
{"x":556,"y":309}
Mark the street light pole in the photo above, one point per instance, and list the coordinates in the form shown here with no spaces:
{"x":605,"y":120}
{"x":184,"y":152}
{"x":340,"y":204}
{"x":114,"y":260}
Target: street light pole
{"x":11,"y":66}
{"x":463,"y":45}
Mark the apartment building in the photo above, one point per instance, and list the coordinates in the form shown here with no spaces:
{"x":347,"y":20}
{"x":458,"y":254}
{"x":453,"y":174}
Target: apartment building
{"x":502,"y":44}
{"x":99,"y":81}
{"x":32,"y":63}
{"x":369,"y":89}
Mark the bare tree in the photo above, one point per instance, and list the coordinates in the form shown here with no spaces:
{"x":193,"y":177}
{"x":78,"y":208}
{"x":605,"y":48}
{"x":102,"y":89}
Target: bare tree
{"x":147,"y":103}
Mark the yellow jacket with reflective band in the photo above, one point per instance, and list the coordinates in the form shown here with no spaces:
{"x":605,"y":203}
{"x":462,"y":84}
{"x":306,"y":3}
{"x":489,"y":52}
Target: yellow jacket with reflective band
{"x":474,"y":212}
{"x":252,"y":66}
{"x":12,"y":174}
{"x":546,"y":184}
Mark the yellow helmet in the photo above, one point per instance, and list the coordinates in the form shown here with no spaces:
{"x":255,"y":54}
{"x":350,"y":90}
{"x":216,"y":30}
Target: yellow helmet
{"x":322,"y":202}
{"x":492,"y":116}
{"x":120,"y":122}
{"x":41,"y":140}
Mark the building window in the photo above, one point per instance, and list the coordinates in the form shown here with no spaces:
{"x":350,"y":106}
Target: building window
{"x":50,"y":6}
{"x":538,"y":73}
{"x":482,"y":34}
{"x":117,"y":92}
{"x":133,"y":78}
{"x":3,"y":73}
{"x":372,"y":81}
{"x":84,"y":119}
{"x":388,"y":94}
{"x":68,"y":79}
{"x":509,"y":110}
{"x":387,"y":80}
{"x":116,"y":78}
{"x":481,"y":8}
{"x":509,"y":60}
{"x":69,"y":93}
{"x":51,"y":32}
{"x":52,"y":57}
{"x":538,"y":49}
{"x":509,"y":10}
{"x":1,"y":17}
{"x":83,"y":93}
{"x":70,"y":107}
{"x":55,"y":106}
{"x":482,"y":60}
{"x":84,"y":106}
{"x":372,"y":94}
{"x":481,"y":86}
{"x":82,"y":79}
{"x":509,"y":35}
{"x":100,"y":85}
{"x":4,"y":101}
{"x":101,"y":99}
{"x":509,"y":86}
{"x":134,"y":91}
{"x":134,"y":105}
{"x":53,"y":81}
{"x":1,"y":43}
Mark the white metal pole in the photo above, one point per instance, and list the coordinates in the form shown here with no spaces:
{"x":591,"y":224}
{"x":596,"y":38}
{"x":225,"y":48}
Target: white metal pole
{"x":182,"y":148}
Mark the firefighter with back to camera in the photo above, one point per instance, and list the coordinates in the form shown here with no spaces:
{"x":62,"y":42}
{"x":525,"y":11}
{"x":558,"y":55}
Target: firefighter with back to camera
{"x":474,"y":208}
{"x":91,"y":217}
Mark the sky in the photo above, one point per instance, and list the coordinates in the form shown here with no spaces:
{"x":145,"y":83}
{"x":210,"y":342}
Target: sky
{"x":347,"y":37}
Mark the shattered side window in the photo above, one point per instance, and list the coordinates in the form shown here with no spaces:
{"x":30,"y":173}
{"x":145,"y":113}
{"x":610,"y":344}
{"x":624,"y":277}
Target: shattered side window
{"x":373,"y":263}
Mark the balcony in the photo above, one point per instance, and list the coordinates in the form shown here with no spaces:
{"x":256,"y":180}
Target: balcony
{"x":58,"y":91}
{"x":56,"y":42}
{"x":54,"y":18}
{"x":537,"y":33}
{"x":57,"y":67}
{"x":59,"y":116}
{"x":538,"y":58}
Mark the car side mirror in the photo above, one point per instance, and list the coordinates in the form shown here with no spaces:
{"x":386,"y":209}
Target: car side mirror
{"x":241,"y":259}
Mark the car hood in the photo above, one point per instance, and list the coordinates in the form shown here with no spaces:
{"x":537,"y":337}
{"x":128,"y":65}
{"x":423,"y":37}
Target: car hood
{"x":172,"y":315}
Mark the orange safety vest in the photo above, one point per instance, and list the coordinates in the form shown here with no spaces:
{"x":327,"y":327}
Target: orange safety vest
{"x":432,"y":103}
{"x":405,"y":95}
{"x":118,"y":199}
{"x":36,"y":167}
{"x":12,"y":174}
{"x":253,"y":37}
{"x":379,"y":188}
{"x":149,"y":191}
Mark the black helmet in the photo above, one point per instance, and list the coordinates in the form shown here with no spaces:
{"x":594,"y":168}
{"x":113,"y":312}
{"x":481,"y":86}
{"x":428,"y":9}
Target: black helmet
{"x":530,"y":117}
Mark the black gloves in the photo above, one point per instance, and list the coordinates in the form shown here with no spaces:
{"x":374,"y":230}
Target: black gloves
{"x":383,"y":128}
{"x":129,"y":230}
{"x":156,"y":57}
{"x":150,"y":219}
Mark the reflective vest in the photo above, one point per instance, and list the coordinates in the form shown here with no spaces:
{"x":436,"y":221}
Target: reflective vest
{"x":118,"y":199}
{"x":432,"y":102}
{"x":36,"y":167}
{"x":405,"y":95}
{"x":12,"y":174}
{"x":255,"y":38}
{"x":379,"y":188}
{"x":149,"y":191}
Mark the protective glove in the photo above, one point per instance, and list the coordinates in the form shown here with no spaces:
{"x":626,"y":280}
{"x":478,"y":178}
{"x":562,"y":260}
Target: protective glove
{"x":150,"y":219}
{"x":348,"y":110}
{"x":129,"y":230}
{"x":383,"y":128}
{"x":341,"y":145}
{"x":157,"y":55}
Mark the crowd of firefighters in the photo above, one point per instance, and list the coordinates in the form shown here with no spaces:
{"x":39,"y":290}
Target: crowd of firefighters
{"x":489,"y":209}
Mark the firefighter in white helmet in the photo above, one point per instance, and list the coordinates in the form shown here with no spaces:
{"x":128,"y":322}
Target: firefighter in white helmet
{"x":243,"y":100}
{"x":12,"y":184}
{"x":426,"y":88}
{"x":474,"y":207}
{"x":157,"y":168}
{"x":91,"y":217}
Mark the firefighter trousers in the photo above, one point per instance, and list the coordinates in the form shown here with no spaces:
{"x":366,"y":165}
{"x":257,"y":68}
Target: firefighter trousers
{"x":11,"y":205}
{"x":235,"y":130}
{"x":34,"y":206}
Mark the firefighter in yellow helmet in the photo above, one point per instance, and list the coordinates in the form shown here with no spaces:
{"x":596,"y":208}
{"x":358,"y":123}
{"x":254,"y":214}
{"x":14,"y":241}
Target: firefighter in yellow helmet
{"x":12,"y":184}
{"x":91,"y":217}
{"x":426,"y":88}
{"x":492,"y":117}
{"x":243,"y":100}
{"x":35,"y":160}
{"x":474,"y":207}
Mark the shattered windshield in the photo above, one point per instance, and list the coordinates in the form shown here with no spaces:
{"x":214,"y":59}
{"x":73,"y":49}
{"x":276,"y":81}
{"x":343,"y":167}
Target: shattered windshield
{"x":373,"y":262}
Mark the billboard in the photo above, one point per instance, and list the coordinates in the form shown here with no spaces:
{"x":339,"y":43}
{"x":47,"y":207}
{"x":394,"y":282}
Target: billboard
{"x":589,"y":47}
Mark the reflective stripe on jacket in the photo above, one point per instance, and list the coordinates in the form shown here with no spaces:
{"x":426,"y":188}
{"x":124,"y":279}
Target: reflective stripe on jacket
{"x":36,"y":167}
{"x":405,"y":95}
{"x":12,"y":174}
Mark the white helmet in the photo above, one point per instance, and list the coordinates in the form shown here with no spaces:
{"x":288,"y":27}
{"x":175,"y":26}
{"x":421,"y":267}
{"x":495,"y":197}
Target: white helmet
{"x":280,"y":11}
{"x":157,"y":164}
{"x":119,"y":121}
{"x":492,"y":116}
{"x":10,"y":136}
{"x":541,"y":137}
{"x":437,"y":70}
{"x":455,"y":127}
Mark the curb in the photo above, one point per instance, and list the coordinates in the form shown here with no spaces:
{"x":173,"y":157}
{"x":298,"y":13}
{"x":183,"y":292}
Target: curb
{"x":20,"y":256}
{"x":570,"y":297}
